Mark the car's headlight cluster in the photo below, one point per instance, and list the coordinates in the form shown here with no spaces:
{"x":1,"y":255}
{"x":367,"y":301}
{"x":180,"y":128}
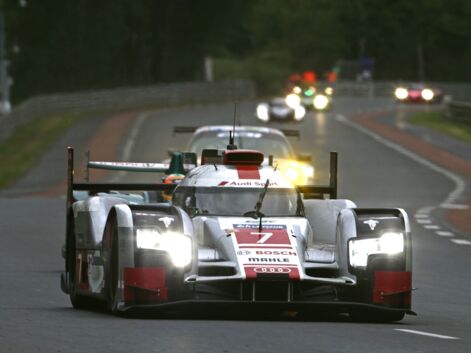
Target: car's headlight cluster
{"x":296,"y":172}
{"x":178,"y":246}
{"x":401,"y":93}
{"x":320,"y":102}
{"x":292,"y":100}
{"x":390,"y":243}
{"x":427,"y":94}
{"x":262,"y":112}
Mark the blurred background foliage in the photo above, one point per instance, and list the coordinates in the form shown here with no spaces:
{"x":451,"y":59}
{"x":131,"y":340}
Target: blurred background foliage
{"x":59,"y":46}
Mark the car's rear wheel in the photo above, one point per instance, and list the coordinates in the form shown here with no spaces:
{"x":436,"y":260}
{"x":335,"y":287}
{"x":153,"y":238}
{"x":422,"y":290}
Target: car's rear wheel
{"x":112,"y":261}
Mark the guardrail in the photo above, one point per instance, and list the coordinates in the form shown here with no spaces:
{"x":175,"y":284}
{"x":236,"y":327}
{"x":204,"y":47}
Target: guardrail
{"x":162,"y":95}
{"x":459,"y":111}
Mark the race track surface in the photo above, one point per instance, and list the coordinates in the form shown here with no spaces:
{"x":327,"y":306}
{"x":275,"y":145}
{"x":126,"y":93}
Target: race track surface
{"x":35,"y":316}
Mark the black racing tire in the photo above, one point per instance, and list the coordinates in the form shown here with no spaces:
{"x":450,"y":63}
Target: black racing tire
{"x":376,"y":317}
{"x":78,"y":301}
{"x":112,"y":260}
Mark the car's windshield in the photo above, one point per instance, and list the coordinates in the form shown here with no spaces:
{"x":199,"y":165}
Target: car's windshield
{"x":227,"y":201}
{"x":268,"y":144}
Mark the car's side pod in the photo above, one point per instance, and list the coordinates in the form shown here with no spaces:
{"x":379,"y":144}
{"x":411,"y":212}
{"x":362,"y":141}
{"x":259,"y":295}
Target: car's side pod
{"x":376,"y":244}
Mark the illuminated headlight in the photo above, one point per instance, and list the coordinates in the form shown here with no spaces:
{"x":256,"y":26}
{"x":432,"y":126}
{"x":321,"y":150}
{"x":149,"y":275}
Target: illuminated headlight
{"x":329,"y":91}
{"x":292,"y":174}
{"x":401,"y":93}
{"x":297,"y":90}
{"x":262,"y":112}
{"x":178,"y":246}
{"x":427,"y":94}
{"x":320,"y":102}
{"x":389,"y":243}
{"x":299,"y":113}
{"x":293,"y":100}
{"x":296,"y":172}
{"x":308,"y":171}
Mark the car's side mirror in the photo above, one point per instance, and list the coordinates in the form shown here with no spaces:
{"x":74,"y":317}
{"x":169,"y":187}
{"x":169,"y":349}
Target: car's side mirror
{"x":304,"y":157}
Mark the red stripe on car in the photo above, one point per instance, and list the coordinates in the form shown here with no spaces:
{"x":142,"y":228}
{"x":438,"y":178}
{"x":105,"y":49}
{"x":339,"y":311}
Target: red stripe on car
{"x":248,"y":172}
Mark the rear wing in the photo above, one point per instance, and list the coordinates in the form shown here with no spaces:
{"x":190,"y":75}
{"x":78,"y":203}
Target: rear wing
{"x":192,"y":129}
{"x":72,"y":185}
{"x":181,"y":163}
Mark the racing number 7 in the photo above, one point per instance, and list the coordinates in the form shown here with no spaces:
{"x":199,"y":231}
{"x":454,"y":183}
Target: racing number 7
{"x":263,"y":239}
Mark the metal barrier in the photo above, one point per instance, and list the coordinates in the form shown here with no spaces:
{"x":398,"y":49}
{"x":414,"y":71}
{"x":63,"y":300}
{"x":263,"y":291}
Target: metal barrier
{"x":162,"y":95}
{"x":459,"y":111}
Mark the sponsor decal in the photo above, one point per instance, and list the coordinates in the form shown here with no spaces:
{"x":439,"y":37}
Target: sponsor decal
{"x":372,"y":223}
{"x":272,"y":269}
{"x":246,"y":183}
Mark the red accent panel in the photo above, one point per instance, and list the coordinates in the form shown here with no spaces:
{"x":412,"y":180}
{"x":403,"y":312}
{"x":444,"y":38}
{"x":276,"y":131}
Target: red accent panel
{"x":248,"y":172}
{"x":253,"y":236}
{"x":144,"y":285}
{"x":392,"y":288}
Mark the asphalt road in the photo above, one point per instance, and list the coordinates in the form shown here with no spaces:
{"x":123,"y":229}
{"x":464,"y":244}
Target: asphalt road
{"x":36,"y":317}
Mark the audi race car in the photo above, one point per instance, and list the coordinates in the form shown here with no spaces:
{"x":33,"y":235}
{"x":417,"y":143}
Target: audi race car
{"x":271,"y":142}
{"x":237,"y":235}
{"x":418,"y":93}
{"x":278,"y":109}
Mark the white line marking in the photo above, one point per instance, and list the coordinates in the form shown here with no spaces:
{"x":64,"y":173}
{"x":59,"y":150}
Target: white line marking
{"x":460,"y":184}
{"x":422,"y":333}
{"x":426,"y":210}
{"x":454,"y":206}
{"x":431,"y":226}
{"x":444,"y":233}
{"x":130,"y":142}
{"x":461,"y":241}
{"x":423,"y":221}
{"x":421,"y":215}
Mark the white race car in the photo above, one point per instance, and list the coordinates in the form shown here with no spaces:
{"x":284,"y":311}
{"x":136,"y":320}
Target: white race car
{"x":240,"y":236}
{"x":271,"y":142}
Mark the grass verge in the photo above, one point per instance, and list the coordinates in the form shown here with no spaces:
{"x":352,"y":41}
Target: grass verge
{"x":437,"y":121}
{"x":20,"y":151}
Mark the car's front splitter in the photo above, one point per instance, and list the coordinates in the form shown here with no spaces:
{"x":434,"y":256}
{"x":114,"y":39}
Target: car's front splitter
{"x":229,"y":307}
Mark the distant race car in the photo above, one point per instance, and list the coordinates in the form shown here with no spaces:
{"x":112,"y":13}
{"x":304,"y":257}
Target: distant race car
{"x":271,"y":142}
{"x":317,"y":98}
{"x":278,"y":109}
{"x":418,"y":93}
{"x":237,"y":237}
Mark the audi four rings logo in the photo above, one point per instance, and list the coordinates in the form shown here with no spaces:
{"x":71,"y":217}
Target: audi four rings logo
{"x":243,"y":252}
{"x":272,"y":270}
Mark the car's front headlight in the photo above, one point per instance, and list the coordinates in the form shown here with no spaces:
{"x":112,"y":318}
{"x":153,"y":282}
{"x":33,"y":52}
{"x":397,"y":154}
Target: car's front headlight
{"x":320,"y":102}
{"x":401,"y":93}
{"x":299,"y":113}
{"x":178,"y":246}
{"x":292,"y":100}
{"x":427,"y":94}
{"x":390,"y":243}
{"x":262,"y":112}
{"x":296,"y":172}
